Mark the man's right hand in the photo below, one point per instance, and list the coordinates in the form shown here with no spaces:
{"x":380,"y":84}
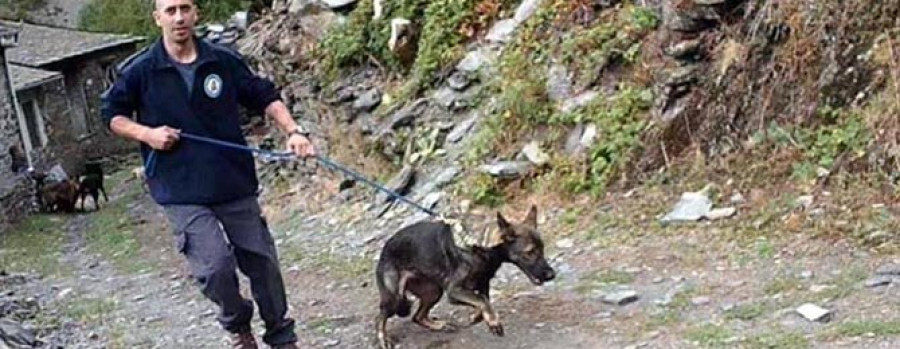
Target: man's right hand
{"x":161,"y":138}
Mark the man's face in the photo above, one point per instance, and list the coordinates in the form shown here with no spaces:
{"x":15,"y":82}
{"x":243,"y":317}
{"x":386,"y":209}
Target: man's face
{"x":176,"y":18}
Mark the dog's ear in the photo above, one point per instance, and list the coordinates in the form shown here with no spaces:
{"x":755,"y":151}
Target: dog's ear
{"x":502,"y":222}
{"x":507,"y":233}
{"x":531,"y":219}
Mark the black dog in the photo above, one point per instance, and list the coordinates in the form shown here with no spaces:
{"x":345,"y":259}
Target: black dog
{"x":424,"y":260}
{"x":91,"y":183}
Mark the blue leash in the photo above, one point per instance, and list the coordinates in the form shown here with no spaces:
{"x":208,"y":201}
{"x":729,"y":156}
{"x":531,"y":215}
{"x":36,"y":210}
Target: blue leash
{"x":286,"y":155}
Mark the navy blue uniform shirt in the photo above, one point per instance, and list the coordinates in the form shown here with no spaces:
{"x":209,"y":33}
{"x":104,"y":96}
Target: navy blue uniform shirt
{"x":150,"y":87}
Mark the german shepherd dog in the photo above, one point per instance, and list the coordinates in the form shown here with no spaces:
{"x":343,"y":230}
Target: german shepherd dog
{"x":423,"y":259}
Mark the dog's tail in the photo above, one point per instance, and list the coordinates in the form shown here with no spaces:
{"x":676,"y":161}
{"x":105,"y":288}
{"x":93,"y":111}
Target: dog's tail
{"x":392,"y":288}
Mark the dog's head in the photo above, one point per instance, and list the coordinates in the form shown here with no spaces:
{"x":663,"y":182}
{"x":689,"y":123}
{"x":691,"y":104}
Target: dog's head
{"x":522,"y":245}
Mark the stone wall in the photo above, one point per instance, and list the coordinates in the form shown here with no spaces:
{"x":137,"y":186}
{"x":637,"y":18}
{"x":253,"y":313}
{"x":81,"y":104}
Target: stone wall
{"x":15,"y":200}
{"x":95,"y":81}
{"x":14,"y":190}
{"x":9,"y":127}
{"x":80,"y":132}
{"x":62,"y":146}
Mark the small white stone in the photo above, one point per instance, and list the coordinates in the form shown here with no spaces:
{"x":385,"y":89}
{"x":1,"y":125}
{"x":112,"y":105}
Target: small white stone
{"x":814,"y":312}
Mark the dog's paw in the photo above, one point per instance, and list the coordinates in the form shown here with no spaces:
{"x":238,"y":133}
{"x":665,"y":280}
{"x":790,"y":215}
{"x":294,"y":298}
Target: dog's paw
{"x":496,"y":329}
{"x":385,"y":343}
{"x":437,"y":325}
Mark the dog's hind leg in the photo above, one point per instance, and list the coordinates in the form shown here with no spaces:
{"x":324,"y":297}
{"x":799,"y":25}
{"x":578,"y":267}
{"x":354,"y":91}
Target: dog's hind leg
{"x":381,"y":329}
{"x":387,"y":277}
{"x":429,"y":294}
{"x":102,"y":190}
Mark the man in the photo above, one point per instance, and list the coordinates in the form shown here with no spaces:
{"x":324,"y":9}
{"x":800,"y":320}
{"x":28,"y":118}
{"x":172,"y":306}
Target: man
{"x":182,"y":83}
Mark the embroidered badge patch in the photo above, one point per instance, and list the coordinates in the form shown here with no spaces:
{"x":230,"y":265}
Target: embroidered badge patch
{"x":213,"y":86}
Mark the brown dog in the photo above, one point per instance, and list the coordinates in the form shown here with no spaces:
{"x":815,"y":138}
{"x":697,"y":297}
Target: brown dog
{"x":60,"y":196}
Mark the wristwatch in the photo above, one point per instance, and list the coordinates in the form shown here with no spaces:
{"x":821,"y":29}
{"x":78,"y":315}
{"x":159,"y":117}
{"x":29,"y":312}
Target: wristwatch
{"x":299,"y":130}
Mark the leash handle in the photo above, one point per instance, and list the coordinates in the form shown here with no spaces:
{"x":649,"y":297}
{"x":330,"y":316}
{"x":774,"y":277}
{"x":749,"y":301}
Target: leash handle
{"x":151,"y":163}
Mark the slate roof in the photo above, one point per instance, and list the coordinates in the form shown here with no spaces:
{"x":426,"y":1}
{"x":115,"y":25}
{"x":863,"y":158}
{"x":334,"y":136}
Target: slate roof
{"x":40,"y":45}
{"x":24,"y":78}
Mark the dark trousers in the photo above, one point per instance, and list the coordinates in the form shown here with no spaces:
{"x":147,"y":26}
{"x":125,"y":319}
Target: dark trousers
{"x":216,"y":239}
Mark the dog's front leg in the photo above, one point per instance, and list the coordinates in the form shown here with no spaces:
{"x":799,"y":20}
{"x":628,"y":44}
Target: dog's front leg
{"x":484,"y":289}
{"x":481,"y":303}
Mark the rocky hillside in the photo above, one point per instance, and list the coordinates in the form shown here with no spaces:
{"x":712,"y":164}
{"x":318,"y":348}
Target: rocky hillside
{"x":606,"y":114}
{"x":571,"y":98}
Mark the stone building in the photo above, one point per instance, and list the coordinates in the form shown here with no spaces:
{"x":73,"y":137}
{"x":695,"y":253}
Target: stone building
{"x":57,"y":76}
{"x":12,"y":187}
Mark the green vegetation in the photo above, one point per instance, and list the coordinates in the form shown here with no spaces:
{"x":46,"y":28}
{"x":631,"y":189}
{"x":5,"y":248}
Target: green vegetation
{"x":135,"y":16}
{"x":18,"y":9}
{"x":112,"y":233}
{"x":441,"y":27}
{"x":35,"y":245}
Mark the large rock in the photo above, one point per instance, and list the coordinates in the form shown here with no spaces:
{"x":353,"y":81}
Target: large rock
{"x":684,"y":49}
{"x":621,"y":297}
{"x":462,"y":129}
{"x":305,"y":7}
{"x":580,"y":138}
{"x":681,"y":76}
{"x":400,"y":33}
{"x":573,"y":140}
{"x":338,"y":4}
{"x":692,"y":206}
{"x":502,"y":31}
{"x":559,"y":83}
{"x":814,"y":313}
{"x":532,"y":151}
{"x":407,"y":116}
{"x":890,"y":269}
{"x":459,"y":81}
{"x":687,"y":19}
{"x":446,"y":97}
{"x":15,"y":335}
{"x":473,"y":61}
{"x":507,"y":169}
{"x":526,"y":9}
{"x":453,"y":100}
{"x":446,"y":176}
{"x":579,"y":101}
{"x":400,"y":184}
{"x":881,"y":280}
{"x":368,"y":100}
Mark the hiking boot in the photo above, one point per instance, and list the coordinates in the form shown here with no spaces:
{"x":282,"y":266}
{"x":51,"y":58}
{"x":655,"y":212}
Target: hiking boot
{"x":286,"y":346}
{"x":243,"y":341}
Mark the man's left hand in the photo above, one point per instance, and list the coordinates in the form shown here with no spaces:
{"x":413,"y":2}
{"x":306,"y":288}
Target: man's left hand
{"x":300,"y":146}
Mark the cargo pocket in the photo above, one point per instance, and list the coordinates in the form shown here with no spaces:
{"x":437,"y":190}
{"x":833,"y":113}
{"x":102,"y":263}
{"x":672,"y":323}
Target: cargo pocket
{"x":266,"y":235}
{"x":181,"y":241}
{"x":180,"y":217}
